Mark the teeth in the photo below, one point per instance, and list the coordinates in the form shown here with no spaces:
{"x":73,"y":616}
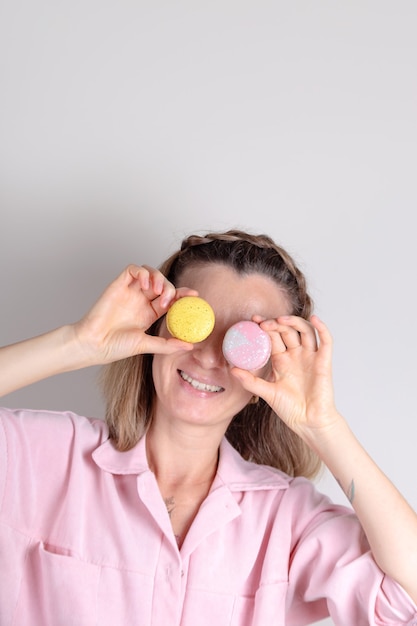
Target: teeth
{"x":200,"y":386}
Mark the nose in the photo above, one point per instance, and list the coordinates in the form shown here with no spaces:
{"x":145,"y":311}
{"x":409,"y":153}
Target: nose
{"x":209,"y":352}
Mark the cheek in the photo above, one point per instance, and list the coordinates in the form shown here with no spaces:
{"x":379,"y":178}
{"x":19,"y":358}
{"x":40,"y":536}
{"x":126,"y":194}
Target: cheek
{"x":158,"y":366}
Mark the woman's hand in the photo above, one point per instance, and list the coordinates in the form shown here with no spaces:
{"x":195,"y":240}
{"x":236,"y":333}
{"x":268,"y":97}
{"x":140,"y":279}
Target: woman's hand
{"x":299,"y":389}
{"x":116,"y":326}
{"x":299,"y":385}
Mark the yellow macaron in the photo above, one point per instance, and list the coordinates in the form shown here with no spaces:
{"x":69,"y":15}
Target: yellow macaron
{"x":190,"y":319}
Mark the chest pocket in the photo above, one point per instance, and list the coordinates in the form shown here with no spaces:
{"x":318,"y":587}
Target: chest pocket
{"x":267,"y":606}
{"x":57,"y":590}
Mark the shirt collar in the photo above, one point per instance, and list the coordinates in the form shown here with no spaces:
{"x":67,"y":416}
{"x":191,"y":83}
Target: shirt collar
{"x":133,"y":461}
{"x":233,"y":470}
{"x":241,"y":475}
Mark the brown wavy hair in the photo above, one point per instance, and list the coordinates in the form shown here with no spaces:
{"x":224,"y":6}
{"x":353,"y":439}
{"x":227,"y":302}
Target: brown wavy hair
{"x":256,"y":431}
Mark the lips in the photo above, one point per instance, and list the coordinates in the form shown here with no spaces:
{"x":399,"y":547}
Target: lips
{"x":198,"y":385}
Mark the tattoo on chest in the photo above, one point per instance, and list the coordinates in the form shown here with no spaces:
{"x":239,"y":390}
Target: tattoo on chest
{"x":170,"y":504}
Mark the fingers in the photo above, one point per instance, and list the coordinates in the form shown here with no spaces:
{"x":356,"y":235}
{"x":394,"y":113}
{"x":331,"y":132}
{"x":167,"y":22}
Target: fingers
{"x":300,"y":364}
{"x":155,"y":286}
{"x":290,"y":332}
{"x":323,"y":331}
{"x":152,"y":283}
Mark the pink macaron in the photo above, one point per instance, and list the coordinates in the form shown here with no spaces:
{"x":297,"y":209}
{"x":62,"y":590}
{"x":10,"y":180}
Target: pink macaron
{"x":247,"y":346}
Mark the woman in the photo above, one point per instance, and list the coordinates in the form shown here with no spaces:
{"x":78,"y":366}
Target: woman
{"x":193,"y":504}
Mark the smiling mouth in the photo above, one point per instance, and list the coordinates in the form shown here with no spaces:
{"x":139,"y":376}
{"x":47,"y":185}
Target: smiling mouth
{"x":200,"y":386}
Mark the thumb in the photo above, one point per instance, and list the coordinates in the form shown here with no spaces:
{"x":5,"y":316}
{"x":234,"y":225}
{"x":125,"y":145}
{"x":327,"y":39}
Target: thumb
{"x":159,"y":345}
{"x":256,"y":385}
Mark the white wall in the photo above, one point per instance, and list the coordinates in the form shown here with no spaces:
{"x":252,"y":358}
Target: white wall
{"x":126,"y":125}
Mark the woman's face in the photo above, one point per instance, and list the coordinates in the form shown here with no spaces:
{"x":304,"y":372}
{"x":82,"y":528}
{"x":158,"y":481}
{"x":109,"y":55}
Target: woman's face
{"x":197,"y":387}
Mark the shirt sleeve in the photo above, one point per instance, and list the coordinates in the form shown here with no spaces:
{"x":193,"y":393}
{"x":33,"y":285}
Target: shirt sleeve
{"x":332,"y":570}
{"x":39,"y":451}
{"x":3,"y":459}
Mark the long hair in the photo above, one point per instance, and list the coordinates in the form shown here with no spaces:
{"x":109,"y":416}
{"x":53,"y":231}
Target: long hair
{"x":256,"y":431}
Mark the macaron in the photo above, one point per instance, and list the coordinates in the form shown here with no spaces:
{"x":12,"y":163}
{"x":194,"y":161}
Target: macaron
{"x":246,"y":345}
{"x":190,"y":319}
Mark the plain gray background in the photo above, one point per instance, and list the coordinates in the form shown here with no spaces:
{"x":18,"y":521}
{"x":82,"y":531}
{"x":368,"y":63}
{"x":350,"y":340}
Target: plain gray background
{"x":127,"y":125}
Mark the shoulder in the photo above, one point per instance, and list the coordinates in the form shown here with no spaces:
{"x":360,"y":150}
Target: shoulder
{"x":299,"y":497}
{"x":30,"y":427}
{"x":39,"y":447}
{"x":242,"y":475}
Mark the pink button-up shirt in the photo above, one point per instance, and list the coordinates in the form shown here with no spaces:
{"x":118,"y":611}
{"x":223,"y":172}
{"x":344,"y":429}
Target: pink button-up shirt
{"x":85,"y":539}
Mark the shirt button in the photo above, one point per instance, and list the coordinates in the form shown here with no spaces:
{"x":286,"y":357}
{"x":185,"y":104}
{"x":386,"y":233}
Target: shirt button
{"x":182,"y":573}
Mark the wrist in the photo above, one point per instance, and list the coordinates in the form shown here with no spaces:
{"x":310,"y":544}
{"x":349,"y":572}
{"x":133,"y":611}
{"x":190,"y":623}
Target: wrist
{"x":78,"y":350}
{"x":327,"y":436}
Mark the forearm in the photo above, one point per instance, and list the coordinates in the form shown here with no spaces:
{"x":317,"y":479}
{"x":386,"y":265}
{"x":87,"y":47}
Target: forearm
{"x":389,"y":522}
{"x":34,"y":359}
{"x":114,"y":328}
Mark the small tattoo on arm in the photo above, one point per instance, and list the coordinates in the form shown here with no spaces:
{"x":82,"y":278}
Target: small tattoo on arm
{"x":170,"y":504}
{"x":350,"y":492}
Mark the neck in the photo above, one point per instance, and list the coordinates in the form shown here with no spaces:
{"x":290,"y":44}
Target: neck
{"x":180,"y":458}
